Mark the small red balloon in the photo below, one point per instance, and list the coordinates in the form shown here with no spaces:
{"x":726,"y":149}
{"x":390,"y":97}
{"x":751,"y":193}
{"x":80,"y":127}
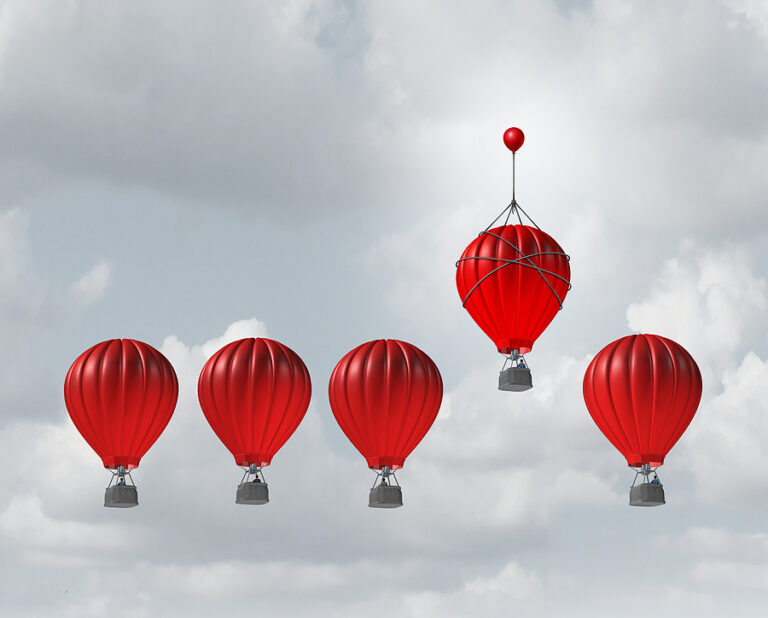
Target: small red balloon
{"x":513,"y":138}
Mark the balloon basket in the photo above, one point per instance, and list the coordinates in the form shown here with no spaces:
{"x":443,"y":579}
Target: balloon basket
{"x":385,"y":495}
{"x":515,"y":379}
{"x":646,"y":494}
{"x":121,"y":495}
{"x":252,"y":490}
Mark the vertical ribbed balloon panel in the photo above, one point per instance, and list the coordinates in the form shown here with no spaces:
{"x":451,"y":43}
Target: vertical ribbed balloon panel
{"x":642,"y":391}
{"x":120,"y":395}
{"x":254,"y":393}
{"x":385,"y":395}
{"x":512,"y":280}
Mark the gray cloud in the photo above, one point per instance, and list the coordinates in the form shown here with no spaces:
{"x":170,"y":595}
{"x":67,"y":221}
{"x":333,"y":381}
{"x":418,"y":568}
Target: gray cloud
{"x":320,"y":165}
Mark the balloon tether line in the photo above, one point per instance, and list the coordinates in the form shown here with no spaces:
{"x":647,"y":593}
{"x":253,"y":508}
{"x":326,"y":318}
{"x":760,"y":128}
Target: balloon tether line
{"x":513,"y":206}
{"x":513,"y":177}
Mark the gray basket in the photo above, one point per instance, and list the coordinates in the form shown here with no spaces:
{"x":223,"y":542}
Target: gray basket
{"x":121,"y":496}
{"x":515,"y":379}
{"x":385,"y":497}
{"x":646,"y":494}
{"x":252,"y":493}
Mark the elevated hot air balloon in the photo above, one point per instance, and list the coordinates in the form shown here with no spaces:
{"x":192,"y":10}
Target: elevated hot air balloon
{"x":513,"y":279}
{"x":254,"y":393}
{"x":385,"y":395}
{"x":120,"y":395}
{"x":642,"y":392}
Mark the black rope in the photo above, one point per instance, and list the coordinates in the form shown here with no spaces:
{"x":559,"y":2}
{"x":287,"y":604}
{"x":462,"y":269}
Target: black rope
{"x":501,"y":214}
{"x":513,"y":176}
{"x":520,"y":209}
{"x":529,"y":264}
{"x":512,"y":207}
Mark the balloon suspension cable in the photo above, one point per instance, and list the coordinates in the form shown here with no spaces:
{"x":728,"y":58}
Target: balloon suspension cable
{"x":254,"y":470}
{"x":121,"y":473}
{"x":385,"y":473}
{"x":517,"y":360}
{"x":645,"y":470}
{"x":513,"y":207}
{"x":522,"y":259}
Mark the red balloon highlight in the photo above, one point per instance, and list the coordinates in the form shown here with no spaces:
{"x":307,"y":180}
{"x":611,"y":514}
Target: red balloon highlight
{"x":642,"y":391}
{"x":254,"y":393}
{"x":385,"y":395}
{"x":513,"y":139}
{"x":120,"y":395}
{"x":513,"y":280}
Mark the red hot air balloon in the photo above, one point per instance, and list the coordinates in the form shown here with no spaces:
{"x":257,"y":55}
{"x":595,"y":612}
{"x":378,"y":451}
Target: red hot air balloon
{"x":254,"y":393}
{"x":120,"y":395}
{"x":642,"y":392}
{"x":385,"y":395}
{"x":513,"y":279}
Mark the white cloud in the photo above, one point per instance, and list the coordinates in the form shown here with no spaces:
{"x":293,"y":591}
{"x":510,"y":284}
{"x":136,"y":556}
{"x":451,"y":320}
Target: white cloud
{"x":756,"y":11}
{"x":724,"y":444}
{"x":736,"y":575}
{"x":92,"y":285}
{"x":13,"y":229}
{"x":188,"y":361}
{"x":505,"y":491}
{"x":186,"y":484}
{"x":722,"y":557}
{"x":329,"y":107}
{"x":528,"y":455}
{"x":384,"y":124}
{"x":301,"y":588}
{"x":22,"y":292}
{"x":708,"y":300}
{"x":215,"y":120}
{"x":420,"y":265}
{"x":25,"y":522}
{"x":709,"y":543}
{"x":713,"y":303}
{"x":193,"y":358}
{"x":34,"y":310}
{"x":513,"y":586}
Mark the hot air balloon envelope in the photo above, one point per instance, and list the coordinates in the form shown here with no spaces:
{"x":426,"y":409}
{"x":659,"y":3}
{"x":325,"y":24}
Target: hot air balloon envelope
{"x":385,"y":395}
{"x":254,"y":393}
{"x":120,"y":395}
{"x":513,"y":280}
{"x":642,"y":392}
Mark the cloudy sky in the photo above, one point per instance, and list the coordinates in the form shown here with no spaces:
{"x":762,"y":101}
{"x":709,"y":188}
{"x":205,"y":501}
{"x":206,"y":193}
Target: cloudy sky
{"x":189,"y":173}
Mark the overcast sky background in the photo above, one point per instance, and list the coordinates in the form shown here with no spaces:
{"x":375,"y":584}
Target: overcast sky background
{"x":192,"y":173}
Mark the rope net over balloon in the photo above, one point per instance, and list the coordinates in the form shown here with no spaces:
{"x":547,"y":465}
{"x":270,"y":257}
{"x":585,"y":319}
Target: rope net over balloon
{"x":521,"y":254}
